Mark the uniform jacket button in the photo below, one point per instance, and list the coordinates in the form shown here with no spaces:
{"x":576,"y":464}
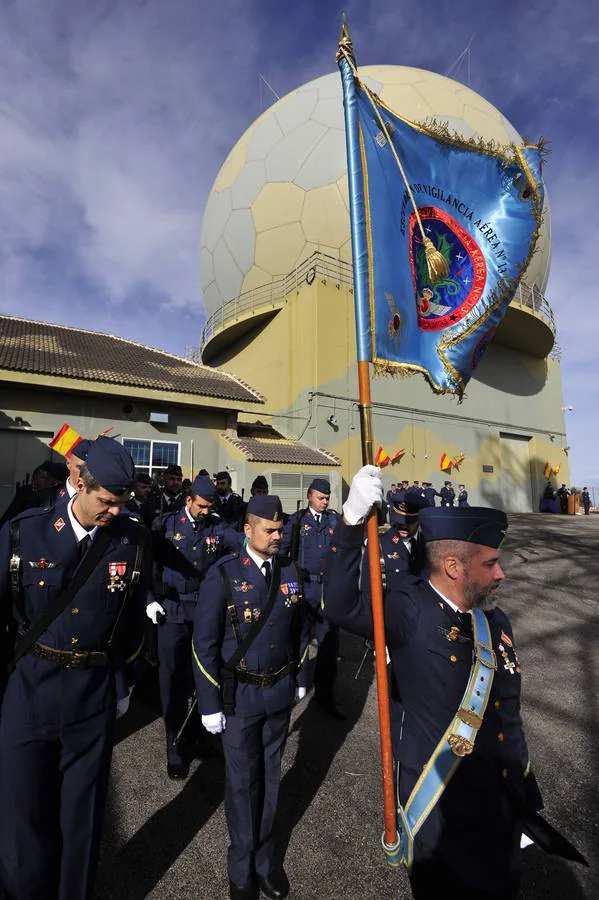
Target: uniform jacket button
{"x":504,"y":773}
{"x":453,"y":659}
{"x":500,"y":737}
{"x":497,"y":704}
{"x":75,"y":610}
{"x":41,"y":583}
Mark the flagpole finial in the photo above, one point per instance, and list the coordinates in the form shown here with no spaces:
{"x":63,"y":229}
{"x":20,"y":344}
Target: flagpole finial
{"x":346,"y":48}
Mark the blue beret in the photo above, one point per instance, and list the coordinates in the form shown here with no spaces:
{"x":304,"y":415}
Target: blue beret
{"x":476,"y":524}
{"x":266,"y":507}
{"x":204,"y":487}
{"x":404,"y":508}
{"x":322,"y":485}
{"x":111,"y":465}
{"x":81,"y":449}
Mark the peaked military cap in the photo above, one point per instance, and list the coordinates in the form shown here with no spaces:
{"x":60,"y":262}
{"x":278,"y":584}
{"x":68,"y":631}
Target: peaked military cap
{"x":202,"y":486}
{"x":268,"y":507}
{"x":322,"y":485}
{"x":405,"y":510}
{"x":57,"y":470}
{"x":173,"y":469}
{"x":260,"y":482}
{"x":475,"y":524}
{"x":111,"y":465}
{"x":81,"y":449}
{"x":222,"y":475}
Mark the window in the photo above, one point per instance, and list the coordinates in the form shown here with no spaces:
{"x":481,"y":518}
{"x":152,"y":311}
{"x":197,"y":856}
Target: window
{"x":291,"y":487}
{"x":152,"y":456}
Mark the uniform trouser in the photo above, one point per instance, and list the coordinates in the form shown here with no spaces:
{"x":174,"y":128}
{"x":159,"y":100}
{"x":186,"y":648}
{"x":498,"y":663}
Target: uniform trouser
{"x":175,"y":677}
{"x":53,"y":785}
{"x":327,"y":637}
{"x":253,"y":747}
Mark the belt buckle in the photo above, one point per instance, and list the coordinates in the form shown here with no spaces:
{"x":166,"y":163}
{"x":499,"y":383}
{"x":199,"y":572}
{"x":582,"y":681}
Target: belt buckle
{"x":79,"y":659}
{"x":460,"y":746}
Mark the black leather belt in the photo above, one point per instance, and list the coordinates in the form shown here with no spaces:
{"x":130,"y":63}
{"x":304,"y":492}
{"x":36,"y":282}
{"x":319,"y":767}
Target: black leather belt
{"x":70,"y":659}
{"x":317,"y":579}
{"x":264,"y":681}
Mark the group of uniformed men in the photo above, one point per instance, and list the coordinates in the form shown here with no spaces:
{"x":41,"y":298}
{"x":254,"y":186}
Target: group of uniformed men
{"x":403,"y":490}
{"x":79,"y":579}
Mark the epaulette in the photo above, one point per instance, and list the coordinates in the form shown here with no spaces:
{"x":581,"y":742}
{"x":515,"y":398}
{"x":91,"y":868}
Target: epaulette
{"x":32,"y":512}
{"x":228,"y":558}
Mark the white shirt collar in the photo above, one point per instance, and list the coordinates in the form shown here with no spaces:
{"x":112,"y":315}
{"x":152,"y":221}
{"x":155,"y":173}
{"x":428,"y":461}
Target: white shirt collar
{"x":70,"y":489}
{"x":257,"y":559}
{"x":225,"y":497}
{"x":189,"y":516}
{"x":80,"y":531}
{"x":449,"y":602}
{"x":314,"y":513}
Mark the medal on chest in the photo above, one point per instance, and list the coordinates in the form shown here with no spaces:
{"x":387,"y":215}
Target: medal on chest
{"x":116,"y":575}
{"x":511,"y":662}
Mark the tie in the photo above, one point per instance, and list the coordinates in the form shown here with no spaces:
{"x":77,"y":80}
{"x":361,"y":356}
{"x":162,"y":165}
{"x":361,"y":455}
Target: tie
{"x":413,"y":543}
{"x":267,"y":570}
{"x":317,"y":517}
{"x":83,"y":546}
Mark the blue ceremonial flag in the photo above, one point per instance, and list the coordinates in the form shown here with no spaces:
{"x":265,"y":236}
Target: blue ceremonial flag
{"x":442,"y":229}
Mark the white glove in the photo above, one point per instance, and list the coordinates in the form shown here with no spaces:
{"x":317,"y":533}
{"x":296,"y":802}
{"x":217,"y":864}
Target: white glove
{"x":365,"y":492}
{"x":300,"y":693}
{"x":123,"y":705}
{"x":153,"y":610}
{"x":214,"y":723}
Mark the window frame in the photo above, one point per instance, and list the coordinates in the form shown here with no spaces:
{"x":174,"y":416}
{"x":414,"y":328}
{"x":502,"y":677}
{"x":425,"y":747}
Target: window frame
{"x":153,"y":469}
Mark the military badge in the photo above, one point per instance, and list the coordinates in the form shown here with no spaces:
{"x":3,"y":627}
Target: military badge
{"x":307,"y":527}
{"x":293,"y":587}
{"x":246,"y":561}
{"x":42,"y":564}
{"x":182,"y":519}
{"x":178,"y":536}
{"x":284,"y":588}
{"x":59,"y":524}
{"x":245,"y":586}
{"x":454,"y":633}
{"x":506,"y":640}
{"x":116,"y":572}
{"x":395,"y":539}
{"x":247,"y":616}
{"x":331,"y":531}
{"x":394,"y":555}
{"x":257,"y":612}
{"x":294,"y":598}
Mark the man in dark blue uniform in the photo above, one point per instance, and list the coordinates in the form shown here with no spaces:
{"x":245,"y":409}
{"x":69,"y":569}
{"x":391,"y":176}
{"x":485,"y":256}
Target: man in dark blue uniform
{"x":306,"y":539}
{"x":45,"y":485}
{"x":462,"y":496}
{"x":171,"y":498}
{"x":586,"y":501}
{"x":186,"y":544}
{"x":402,"y":550}
{"x":140,"y":501}
{"x":229,"y":506}
{"x":249,"y":643}
{"x":447,"y":495}
{"x":64,"y":692}
{"x":414,"y":490}
{"x":429,"y":493}
{"x":468,"y":843}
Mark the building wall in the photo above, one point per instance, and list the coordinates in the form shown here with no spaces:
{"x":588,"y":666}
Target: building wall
{"x":303,"y":360}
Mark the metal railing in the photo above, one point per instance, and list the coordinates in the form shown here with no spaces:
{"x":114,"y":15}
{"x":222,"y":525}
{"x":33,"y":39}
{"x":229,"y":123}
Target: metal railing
{"x":320,"y":265}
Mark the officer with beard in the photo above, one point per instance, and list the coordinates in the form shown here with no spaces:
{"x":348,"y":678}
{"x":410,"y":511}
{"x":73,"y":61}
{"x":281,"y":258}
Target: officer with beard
{"x":463,"y":758}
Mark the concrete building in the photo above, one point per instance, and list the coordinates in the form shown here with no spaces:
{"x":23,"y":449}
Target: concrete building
{"x":277,"y":283}
{"x":164,"y":408}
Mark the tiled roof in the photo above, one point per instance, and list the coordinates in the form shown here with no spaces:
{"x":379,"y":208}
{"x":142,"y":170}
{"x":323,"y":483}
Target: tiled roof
{"x":27,"y":346}
{"x":261,"y":443}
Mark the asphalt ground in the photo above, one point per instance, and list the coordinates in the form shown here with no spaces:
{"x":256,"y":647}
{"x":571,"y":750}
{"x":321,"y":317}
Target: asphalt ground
{"x":168,"y":839}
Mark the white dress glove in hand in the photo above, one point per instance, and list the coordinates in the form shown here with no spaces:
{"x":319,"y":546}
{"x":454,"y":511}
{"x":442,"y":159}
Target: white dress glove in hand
{"x":365,"y":492}
{"x":300,"y":693}
{"x":153,"y":610}
{"x":123,"y":705}
{"x":214,"y":723}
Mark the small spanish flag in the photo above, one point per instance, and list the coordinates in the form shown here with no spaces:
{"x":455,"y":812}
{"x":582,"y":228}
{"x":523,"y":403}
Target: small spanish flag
{"x":548,"y":471}
{"x":557,"y":468}
{"x":446,"y":463}
{"x":458,"y":460}
{"x":398,"y":454}
{"x":382,"y":458}
{"x":66,"y":440}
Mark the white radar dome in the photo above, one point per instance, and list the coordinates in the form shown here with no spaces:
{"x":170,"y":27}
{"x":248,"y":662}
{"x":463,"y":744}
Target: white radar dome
{"x":282,"y":191}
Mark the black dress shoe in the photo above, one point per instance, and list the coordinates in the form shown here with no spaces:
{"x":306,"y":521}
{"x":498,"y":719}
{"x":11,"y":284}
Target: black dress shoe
{"x":331,"y":708}
{"x":243,"y":891}
{"x":177,"y":771}
{"x":275,"y":885}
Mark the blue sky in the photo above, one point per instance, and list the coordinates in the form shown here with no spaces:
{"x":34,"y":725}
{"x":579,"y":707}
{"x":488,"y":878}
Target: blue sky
{"x":115,"y":117}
